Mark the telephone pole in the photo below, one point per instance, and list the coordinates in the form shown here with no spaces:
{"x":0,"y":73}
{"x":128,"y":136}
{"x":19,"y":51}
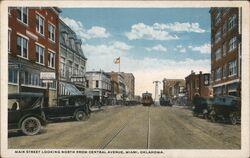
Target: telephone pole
{"x":156,"y":89}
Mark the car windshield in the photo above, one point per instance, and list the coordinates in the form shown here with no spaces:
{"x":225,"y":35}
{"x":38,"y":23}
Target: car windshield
{"x":20,"y":103}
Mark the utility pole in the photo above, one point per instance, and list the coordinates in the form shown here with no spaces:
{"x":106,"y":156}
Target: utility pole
{"x":156,"y":89}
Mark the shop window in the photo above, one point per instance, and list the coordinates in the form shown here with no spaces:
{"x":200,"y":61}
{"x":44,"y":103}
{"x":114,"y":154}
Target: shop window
{"x":13,"y":76}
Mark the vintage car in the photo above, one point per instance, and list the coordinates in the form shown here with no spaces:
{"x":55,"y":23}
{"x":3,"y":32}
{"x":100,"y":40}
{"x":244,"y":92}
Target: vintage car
{"x":76,"y":106}
{"x":165,"y":101}
{"x":200,"y":106}
{"x":225,"y":108}
{"x":25,"y":112}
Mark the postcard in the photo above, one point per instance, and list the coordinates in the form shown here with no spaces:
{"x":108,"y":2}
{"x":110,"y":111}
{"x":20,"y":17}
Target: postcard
{"x":125,"y":79}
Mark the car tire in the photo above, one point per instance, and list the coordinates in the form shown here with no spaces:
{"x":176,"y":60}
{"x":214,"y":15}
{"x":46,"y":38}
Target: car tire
{"x":233,"y":118}
{"x":81,"y":116}
{"x":212,"y":118}
{"x":31,"y":126}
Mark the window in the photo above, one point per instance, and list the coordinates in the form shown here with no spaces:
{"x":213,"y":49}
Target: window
{"x":225,"y":71}
{"x":63,"y":67}
{"x":39,"y":54}
{"x":232,"y":22}
{"x":22,"y":45}
{"x":12,"y":76}
{"x":218,"y":17}
{"x":33,"y":79}
{"x":224,"y":28}
{"x":206,"y":80}
{"x":218,"y":54}
{"x":76,"y":69}
{"x":232,"y":43}
{"x":218,"y":74}
{"x":22,"y":14}
{"x":217,"y":36}
{"x":225,"y":11}
{"x":232,"y":67}
{"x":51,"y":31}
{"x":96,"y":84}
{"x":87,"y":83}
{"x":70,"y":68}
{"x":224,"y":49}
{"x":9,"y":39}
{"x":51,"y":59}
{"x":39,"y":24}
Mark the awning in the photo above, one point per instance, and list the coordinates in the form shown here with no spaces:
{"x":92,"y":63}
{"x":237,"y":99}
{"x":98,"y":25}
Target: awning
{"x":68,"y":89}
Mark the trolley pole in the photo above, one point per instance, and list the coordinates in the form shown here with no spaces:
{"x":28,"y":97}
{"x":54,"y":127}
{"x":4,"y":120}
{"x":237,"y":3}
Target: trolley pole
{"x":156,"y":90}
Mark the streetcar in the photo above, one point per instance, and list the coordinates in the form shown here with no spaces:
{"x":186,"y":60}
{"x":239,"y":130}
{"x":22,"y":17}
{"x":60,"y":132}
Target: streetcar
{"x":147,"y":99}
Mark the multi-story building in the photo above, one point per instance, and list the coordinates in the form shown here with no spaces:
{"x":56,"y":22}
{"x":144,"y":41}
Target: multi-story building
{"x":117,"y":80}
{"x":98,"y":86}
{"x":33,"y":47}
{"x":226,"y":51}
{"x":172,"y":87}
{"x":179,"y":88}
{"x":198,"y":85}
{"x":129,"y":81}
{"x":72,"y":62}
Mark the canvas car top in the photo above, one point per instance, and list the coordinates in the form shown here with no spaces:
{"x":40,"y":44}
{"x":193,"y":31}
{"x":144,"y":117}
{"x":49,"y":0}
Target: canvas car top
{"x":24,"y":94}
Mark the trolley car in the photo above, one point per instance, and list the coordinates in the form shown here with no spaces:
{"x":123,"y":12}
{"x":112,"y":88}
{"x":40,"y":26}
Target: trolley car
{"x":147,"y":99}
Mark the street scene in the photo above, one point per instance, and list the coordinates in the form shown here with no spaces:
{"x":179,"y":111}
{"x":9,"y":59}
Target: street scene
{"x":135,"y":127}
{"x":124,"y":78}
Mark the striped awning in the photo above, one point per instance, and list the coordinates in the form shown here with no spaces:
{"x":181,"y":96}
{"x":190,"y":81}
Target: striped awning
{"x":68,"y":89}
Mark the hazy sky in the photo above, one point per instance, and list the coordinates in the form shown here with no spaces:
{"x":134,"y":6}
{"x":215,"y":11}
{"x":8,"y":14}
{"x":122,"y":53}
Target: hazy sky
{"x":152,"y":43}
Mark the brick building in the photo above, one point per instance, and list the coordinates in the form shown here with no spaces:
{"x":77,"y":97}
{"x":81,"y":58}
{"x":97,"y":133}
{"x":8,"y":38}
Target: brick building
{"x":129,"y":81}
{"x":198,"y":85}
{"x":226,"y":51}
{"x":118,"y":86}
{"x":172,"y":87}
{"x":33,"y":46}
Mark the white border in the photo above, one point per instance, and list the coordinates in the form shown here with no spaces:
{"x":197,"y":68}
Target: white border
{"x":243,"y":152}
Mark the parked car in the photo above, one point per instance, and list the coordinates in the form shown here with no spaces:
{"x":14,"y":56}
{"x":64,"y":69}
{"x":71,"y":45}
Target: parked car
{"x":25,"y":112}
{"x":226,"y":108}
{"x":200,"y":106}
{"x":76,"y":106}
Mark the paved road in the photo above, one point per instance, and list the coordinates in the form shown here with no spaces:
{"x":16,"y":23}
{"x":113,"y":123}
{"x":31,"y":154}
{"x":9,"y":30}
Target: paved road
{"x":135,"y":127}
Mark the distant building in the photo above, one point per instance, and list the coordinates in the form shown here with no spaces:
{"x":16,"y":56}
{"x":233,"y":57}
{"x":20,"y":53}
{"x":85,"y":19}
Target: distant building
{"x":173,"y":87}
{"x":198,"y":85}
{"x":179,"y":88}
{"x":98,"y":86}
{"x":72,"y":62}
{"x":33,"y":47}
{"x":226,"y":50}
{"x":129,"y":81}
{"x":118,"y":86}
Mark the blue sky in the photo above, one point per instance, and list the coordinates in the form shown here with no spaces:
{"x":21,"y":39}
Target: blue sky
{"x":153,"y":43}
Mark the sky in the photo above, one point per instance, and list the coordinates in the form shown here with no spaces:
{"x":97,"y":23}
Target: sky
{"x":152,"y":43}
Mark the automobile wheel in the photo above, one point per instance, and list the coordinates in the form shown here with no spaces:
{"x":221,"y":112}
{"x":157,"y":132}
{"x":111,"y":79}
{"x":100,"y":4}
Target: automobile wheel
{"x":233,"y":118}
{"x":212,"y":118}
{"x":81,"y":116}
{"x":31,"y":126}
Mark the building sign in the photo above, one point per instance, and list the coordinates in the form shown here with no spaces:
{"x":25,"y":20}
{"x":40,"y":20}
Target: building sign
{"x":47,"y":75}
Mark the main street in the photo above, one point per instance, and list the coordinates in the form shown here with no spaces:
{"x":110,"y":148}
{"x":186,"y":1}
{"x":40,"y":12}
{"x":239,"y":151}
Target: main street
{"x":134,"y":127}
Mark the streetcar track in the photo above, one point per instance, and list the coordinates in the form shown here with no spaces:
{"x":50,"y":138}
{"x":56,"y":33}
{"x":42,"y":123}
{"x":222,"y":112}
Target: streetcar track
{"x":119,"y":130}
{"x":148,"y":132}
